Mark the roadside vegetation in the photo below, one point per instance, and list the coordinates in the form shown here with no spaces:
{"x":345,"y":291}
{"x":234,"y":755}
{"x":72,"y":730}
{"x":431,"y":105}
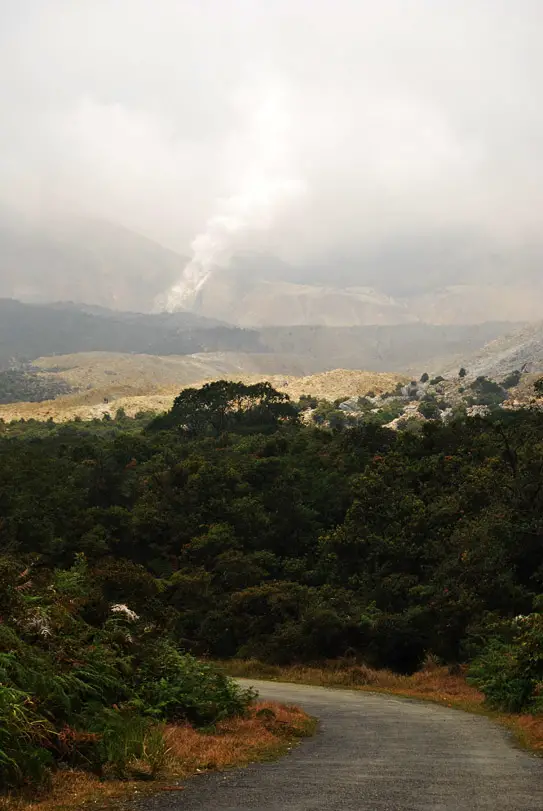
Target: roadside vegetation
{"x":433,"y":682}
{"x":173,"y":754}
{"x":227,"y":529}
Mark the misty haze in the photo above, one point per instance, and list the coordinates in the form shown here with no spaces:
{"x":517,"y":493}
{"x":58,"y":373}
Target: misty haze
{"x":274,"y":164}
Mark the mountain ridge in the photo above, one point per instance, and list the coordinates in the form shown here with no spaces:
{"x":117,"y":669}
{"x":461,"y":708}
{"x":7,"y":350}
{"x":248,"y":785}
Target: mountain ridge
{"x":29,"y":331}
{"x":104,"y":264}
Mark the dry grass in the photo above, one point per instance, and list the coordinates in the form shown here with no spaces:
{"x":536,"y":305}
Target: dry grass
{"x":150,"y":383}
{"x":267,"y":732}
{"x":432,"y":683}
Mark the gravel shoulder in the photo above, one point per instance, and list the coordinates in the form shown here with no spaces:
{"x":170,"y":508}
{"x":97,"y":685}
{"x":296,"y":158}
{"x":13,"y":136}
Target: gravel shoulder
{"x":375,"y":753}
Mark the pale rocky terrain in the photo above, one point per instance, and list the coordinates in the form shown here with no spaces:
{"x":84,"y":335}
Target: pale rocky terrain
{"x":150,"y":383}
{"x":522,"y":348}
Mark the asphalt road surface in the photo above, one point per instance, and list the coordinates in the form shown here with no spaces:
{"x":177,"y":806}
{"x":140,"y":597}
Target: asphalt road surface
{"x":375,"y":753}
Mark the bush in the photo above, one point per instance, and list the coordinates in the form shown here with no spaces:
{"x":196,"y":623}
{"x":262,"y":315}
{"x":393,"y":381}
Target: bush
{"x":25,"y":740}
{"x":486,"y":392}
{"x":510,"y":671}
{"x":177,"y":687}
{"x":512,"y":380}
{"x":429,"y":409}
{"x":90,"y":696}
{"x":496,"y":673}
{"x":119,"y":741}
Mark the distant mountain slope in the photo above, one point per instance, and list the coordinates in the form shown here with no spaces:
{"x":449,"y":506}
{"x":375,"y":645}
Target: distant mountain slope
{"x":252,"y":300}
{"x":104,"y":264}
{"x":28,"y":331}
{"x":86,"y":260}
{"x":476,"y":303}
{"x":519,"y":349}
{"x":408,"y":348}
{"x":256,"y":303}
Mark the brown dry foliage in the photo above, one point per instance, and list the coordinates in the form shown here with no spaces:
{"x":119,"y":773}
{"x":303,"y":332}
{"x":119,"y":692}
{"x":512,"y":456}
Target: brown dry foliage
{"x":432,"y":681}
{"x":266,"y":732}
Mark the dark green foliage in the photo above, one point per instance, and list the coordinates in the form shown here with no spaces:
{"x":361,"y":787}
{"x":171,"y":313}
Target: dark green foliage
{"x":329,"y":414}
{"x":435,"y":380}
{"x":512,"y":380}
{"x":425,"y":377}
{"x":307,"y":401}
{"x":177,"y":687}
{"x":429,"y":408}
{"x":462,"y":372}
{"x":510,"y":669}
{"x":486,"y":392}
{"x":250,"y":534}
{"x":223,"y":405}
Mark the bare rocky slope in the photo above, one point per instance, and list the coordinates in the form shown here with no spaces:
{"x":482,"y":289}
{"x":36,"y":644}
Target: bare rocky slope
{"x":408,"y":349}
{"x":254,"y":302}
{"x":517,"y":350}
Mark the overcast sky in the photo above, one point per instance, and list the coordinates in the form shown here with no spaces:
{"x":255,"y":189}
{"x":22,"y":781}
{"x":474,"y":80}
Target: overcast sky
{"x":307,"y":127}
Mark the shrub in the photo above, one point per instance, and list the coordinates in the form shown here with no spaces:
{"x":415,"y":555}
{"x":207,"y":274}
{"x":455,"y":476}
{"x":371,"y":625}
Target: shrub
{"x":510,"y":669}
{"x":486,"y":392}
{"x":496,"y":673}
{"x":120,"y":740}
{"x":175,"y":686}
{"x":512,"y":380}
{"x":429,"y":409}
{"x":25,"y":740}
{"x":90,"y":696}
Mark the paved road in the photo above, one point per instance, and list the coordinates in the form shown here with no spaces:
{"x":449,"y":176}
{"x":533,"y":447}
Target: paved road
{"x":375,"y":753}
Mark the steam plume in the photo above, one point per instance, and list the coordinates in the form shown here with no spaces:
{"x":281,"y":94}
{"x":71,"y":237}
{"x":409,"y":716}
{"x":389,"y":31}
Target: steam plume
{"x":265,"y":182}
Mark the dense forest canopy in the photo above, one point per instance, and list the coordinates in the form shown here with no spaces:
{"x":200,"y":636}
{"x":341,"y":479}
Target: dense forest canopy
{"x":231,"y":529}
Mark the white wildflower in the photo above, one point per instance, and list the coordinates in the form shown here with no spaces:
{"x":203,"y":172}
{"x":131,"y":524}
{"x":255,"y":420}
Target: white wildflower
{"x":121,"y":608}
{"x":40,"y":624}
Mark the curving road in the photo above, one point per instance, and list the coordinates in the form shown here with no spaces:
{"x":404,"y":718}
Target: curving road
{"x":375,"y":753}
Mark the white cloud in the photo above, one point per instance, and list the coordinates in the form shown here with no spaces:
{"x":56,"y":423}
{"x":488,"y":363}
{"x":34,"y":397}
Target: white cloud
{"x":405,"y":118}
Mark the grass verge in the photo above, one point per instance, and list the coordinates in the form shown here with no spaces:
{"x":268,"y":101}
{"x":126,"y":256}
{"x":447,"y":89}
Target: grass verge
{"x":269,"y":731}
{"x":432,"y":683}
